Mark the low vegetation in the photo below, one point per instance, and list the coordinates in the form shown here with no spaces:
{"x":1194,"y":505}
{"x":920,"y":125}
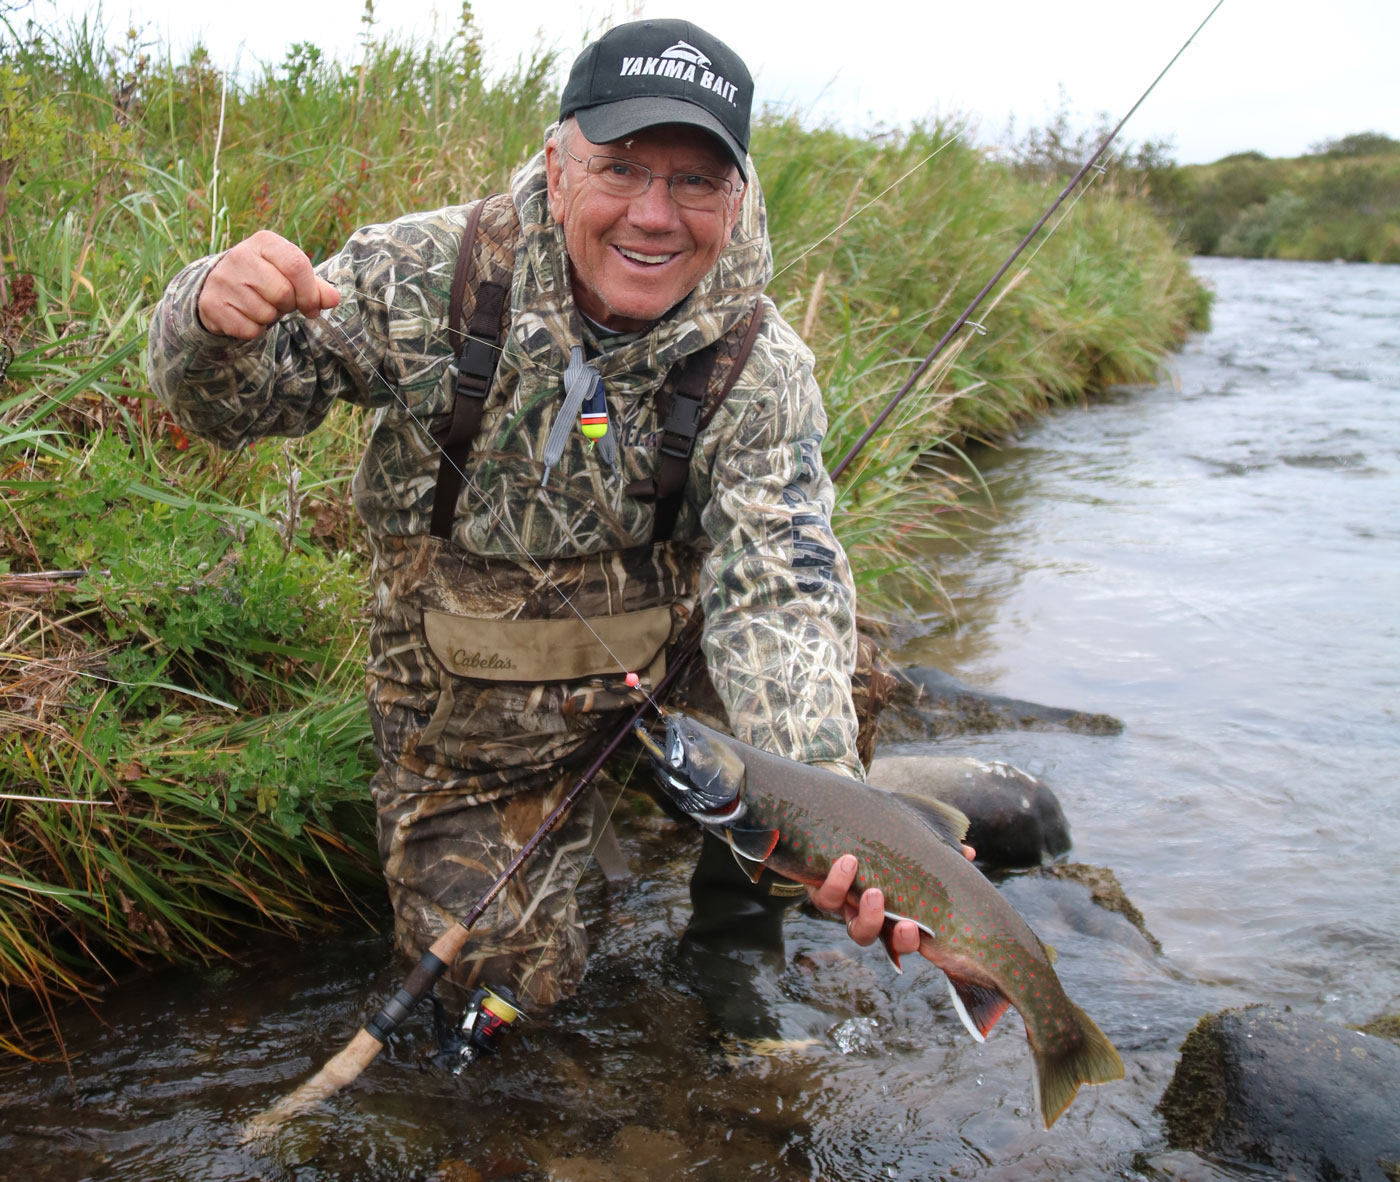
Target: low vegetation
{"x":1340,"y":201}
{"x":183,"y":748}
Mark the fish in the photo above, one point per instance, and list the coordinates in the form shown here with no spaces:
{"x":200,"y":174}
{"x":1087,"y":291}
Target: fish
{"x":795,"y":820}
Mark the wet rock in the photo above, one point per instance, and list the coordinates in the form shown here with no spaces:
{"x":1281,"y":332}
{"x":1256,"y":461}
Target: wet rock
{"x":1015,"y":819}
{"x":1268,"y":1086}
{"x":1106,"y":891}
{"x":929,"y":704}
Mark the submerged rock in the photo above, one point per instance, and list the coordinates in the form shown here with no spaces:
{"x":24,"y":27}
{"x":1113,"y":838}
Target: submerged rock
{"x":1015,"y":819}
{"x":1268,"y":1086}
{"x":929,"y":704}
{"x":1106,"y":891}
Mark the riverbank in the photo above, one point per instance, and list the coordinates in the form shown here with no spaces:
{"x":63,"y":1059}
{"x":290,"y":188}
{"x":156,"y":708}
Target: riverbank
{"x":184,"y":629}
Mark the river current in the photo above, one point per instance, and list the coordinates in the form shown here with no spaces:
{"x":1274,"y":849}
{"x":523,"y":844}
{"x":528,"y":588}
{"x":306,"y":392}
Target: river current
{"x":1213,"y":560}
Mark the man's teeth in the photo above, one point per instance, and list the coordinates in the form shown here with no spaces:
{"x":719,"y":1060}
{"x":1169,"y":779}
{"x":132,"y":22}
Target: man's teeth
{"x":637,"y":257}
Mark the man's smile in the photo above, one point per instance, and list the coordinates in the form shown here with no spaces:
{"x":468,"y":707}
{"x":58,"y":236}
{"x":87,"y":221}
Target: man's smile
{"x":637,"y":256}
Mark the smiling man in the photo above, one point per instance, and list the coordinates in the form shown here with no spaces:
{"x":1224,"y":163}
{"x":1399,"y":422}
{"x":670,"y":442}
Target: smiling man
{"x":631,"y":431}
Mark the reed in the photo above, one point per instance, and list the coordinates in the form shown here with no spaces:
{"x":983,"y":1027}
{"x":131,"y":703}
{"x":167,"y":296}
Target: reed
{"x":181,"y":631}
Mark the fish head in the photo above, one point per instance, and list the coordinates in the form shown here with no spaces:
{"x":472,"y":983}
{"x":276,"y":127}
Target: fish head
{"x":703,"y":775}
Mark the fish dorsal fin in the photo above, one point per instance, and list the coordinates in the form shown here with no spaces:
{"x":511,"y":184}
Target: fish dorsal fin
{"x":946,"y":821}
{"x":751,"y":848}
{"x":1050,"y":954}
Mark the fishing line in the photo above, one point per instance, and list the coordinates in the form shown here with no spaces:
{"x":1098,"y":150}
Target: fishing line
{"x":471,"y":485}
{"x":963,"y":318}
{"x":1078,"y":197}
{"x":892,"y":185}
{"x":623,"y":781}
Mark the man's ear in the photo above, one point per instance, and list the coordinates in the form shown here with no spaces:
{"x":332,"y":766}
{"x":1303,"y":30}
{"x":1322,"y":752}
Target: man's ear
{"x":736,"y":209}
{"x":554,"y":176}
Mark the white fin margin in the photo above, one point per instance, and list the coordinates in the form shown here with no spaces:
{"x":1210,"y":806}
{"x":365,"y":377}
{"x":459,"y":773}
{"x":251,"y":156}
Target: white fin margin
{"x":963,"y":1014}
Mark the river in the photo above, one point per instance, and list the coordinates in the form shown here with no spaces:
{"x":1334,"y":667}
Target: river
{"x":1212,"y":560}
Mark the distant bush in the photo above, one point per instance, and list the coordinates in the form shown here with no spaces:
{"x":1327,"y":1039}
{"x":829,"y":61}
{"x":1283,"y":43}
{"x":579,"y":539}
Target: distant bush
{"x":1361,"y":143}
{"x":1341,"y":201}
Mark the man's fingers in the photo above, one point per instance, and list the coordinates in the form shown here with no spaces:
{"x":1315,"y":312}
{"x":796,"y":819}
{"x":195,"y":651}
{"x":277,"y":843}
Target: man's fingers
{"x":300,"y":287}
{"x":831,"y":895}
{"x":258,"y":282}
{"x":868,"y":918}
{"x":329,"y":296}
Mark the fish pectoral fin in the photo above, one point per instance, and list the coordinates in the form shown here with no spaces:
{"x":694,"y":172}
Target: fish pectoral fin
{"x":754,"y":844}
{"x":949,"y":823}
{"x":751,"y":848}
{"x":887,"y":943}
{"x":979,"y":1006}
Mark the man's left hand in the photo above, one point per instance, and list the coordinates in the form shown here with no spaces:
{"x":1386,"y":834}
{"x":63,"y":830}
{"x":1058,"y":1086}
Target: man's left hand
{"x":866,"y":919}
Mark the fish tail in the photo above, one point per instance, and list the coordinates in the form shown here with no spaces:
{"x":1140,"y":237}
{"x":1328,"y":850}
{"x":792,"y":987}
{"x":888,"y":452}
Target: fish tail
{"x":1087,"y":1059}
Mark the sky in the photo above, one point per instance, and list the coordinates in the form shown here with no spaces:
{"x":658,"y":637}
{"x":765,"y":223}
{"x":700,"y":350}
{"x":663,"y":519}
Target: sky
{"x":1274,"y":76}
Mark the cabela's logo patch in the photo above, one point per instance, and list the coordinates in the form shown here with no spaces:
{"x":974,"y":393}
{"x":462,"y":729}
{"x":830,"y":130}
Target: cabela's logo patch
{"x":684,"y":62}
{"x":462,"y":659}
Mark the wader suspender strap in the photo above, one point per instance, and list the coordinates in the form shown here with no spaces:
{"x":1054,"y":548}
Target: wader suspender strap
{"x":689,"y":410}
{"x":687,"y":415}
{"x":476,"y":366}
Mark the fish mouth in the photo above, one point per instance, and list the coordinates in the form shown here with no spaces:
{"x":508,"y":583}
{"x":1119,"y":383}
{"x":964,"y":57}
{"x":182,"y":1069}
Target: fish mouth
{"x":724,"y":814}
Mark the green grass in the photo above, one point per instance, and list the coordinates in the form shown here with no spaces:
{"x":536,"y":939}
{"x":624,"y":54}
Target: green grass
{"x":182,"y":631}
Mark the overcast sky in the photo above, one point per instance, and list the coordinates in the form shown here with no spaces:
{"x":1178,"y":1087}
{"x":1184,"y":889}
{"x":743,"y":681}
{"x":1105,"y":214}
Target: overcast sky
{"x":1271,"y":75}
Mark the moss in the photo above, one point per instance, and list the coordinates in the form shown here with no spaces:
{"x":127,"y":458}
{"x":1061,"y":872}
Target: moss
{"x":1106,"y":891}
{"x":1094,"y":724}
{"x":1386,"y":1026}
{"x":1194,"y":1103}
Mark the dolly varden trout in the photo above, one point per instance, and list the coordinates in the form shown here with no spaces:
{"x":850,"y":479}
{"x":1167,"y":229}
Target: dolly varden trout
{"x":795,"y":820}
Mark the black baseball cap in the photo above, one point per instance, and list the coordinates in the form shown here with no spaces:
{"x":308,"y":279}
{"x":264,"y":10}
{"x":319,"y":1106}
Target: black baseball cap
{"x":645,"y":73}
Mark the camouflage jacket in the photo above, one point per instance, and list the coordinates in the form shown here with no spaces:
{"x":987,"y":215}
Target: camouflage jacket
{"x":755,"y":527}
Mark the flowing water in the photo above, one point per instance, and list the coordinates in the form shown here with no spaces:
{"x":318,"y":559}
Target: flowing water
{"x":1212,"y":560}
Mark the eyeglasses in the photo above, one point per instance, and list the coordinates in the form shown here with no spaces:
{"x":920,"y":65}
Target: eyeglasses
{"x":626,"y":178}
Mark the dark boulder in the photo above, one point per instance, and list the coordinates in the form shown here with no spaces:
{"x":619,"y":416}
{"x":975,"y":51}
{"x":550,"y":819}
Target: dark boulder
{"x":927,"y":703}
{"x":1015,"y":819}
{"x":1267,"y":1086}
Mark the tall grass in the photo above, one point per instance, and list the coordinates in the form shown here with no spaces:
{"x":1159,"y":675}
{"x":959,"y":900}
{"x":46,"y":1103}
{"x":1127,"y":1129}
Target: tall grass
{"x":181,"y":631}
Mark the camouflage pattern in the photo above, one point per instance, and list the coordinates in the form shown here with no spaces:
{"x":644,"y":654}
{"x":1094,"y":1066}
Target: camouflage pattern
{"x":753,"y":544}
{"x":441,"y":854}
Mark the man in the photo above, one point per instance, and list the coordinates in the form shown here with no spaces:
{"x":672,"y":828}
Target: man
{"x":503,"y":635}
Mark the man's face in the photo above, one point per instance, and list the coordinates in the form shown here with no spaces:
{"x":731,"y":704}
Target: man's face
{"x":634,"y":258}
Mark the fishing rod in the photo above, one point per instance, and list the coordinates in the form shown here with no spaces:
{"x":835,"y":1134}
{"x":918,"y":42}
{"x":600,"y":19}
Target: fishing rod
{"x":967,"y":312}
{"x":364,"y":1047}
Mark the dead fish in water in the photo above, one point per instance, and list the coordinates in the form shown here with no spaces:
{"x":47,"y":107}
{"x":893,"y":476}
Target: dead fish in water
{"x":795,"y":820}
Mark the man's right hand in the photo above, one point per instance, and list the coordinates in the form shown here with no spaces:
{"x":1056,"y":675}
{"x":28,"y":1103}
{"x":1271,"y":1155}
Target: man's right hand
{"x":257,"y":283}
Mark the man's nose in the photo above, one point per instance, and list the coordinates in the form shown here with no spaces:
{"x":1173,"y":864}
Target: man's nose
{"x":655,"y":210}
